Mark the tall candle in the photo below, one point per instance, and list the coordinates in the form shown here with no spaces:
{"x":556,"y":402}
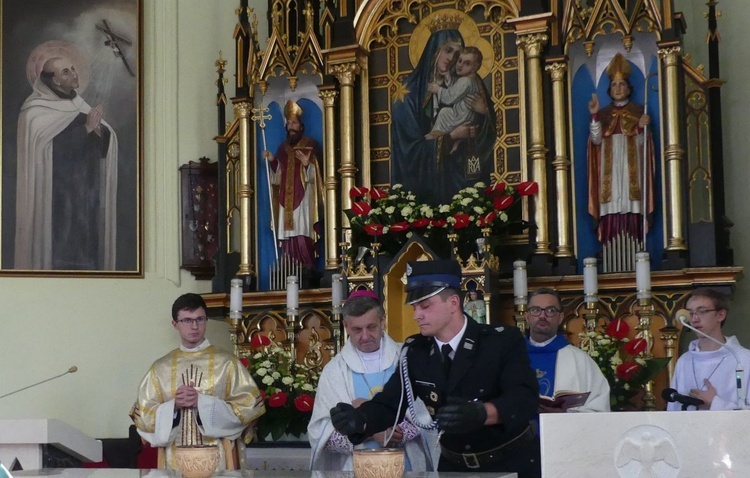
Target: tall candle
{"x":590,"y":279}
{"x":235,"y":298}
{"x":520,"y":286}
{"x":643,"y":275}
{"x":292,"y":292}
{"x":337,"y":291}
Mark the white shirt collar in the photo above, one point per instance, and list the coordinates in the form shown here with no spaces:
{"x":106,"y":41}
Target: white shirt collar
{"x":455,"y":340}
{"x":541,"y":344}
{"x":202,"y":346}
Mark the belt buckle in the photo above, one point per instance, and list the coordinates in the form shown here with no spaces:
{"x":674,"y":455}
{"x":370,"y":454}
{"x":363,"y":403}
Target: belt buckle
{"x":470,"y":460}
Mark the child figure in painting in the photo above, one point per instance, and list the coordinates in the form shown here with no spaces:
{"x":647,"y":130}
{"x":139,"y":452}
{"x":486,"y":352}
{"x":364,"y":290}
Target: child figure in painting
{"x":454,"y":110}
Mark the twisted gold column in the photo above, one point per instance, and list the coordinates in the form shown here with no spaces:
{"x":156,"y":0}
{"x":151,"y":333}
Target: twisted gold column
{"x":242,"y":111}
{"x":561,"y":163}
{"x":674,"y":154}
{"x":328,"y":95}
{"x":532,"y":45}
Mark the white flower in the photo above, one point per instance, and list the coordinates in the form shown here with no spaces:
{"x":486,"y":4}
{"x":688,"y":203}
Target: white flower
{"x":594,"y":353}
{"x":616,"y":360}
{"x":411,"y":197}
{"x":308,"y":387}
{"x":478,"y":210}
{"x":471,"y":190}
{"x":444,"y":208}
{"x":267,"y":380}
{"x":386,"y":229}
{"x":374,"y":211}
{"x":276,"y":375}
{"x":605,"y":342}
{"x":287,"y":380}
{"x":390,"y":210}
{"x":392,"y":197}
{"x":266,"y":363}
{"x":466,"y":201}
{"x":503,"y":217}
{"x":406,"y":211}
{"x":397,"y":186}
{"x":480,"y":185}
{"x":257,"y":356}
{"x":640,"y":361}
{"x":261,"y":371}
{"x":626,"y":386}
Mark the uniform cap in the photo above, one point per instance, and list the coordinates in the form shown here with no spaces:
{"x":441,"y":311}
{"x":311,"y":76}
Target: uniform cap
{"x":425,"y":279}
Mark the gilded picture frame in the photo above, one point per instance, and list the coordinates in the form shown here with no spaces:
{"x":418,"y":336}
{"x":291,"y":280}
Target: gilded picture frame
{"x":72,"y":162}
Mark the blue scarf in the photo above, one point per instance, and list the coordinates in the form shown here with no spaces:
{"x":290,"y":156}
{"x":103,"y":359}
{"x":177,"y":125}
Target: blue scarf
{"x":543,"y":360}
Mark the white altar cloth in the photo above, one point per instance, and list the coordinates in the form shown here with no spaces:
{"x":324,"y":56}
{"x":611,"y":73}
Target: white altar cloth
{"x":22,"y":440}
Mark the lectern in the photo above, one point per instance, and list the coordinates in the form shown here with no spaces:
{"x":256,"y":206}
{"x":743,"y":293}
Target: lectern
{"x":25,"y":441}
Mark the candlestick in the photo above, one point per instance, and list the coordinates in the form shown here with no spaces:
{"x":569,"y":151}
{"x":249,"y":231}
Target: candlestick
{"x":292,"y":294}
{"x":590,"y":280}
{"x":235,"y":299}
{"x":643,"y":275}
{"x":520,"y":285}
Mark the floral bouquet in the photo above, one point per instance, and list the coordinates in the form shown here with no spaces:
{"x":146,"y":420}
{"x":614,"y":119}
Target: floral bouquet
{"x":622,"y":362}
{"x":287,"y":388}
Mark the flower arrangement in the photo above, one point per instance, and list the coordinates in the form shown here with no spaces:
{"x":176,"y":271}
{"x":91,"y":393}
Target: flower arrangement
{"x":622,"y":362}
{"x":287,"y":388}
{"x":391,"y":216}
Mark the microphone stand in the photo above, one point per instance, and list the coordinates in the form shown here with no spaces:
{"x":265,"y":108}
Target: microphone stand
{"x":739,"y":371}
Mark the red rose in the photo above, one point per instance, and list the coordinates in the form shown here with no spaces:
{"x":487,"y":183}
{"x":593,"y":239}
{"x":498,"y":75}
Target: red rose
{"x":374,"y":229}
{"x":400,"y":226}
{"x":277,"y":399}
{"x":420,"y":223}
{"x":357,"y":192}
{"x":439,"y":223}
{"x":626,"y":371}
{"x":361,"y":208}
{"x":617,"y":329}
{"x":462,"y":220}
{"x":259,"y":340}
{"x":378,"y":194}
{"x":495,"y":189}
{"x":636,"y":346}
{"x":304,"y":403}
{"x":527,"y":188}
{"x":488,"y":219}
{"x":503,"y":202}
{"x":244,"y":361}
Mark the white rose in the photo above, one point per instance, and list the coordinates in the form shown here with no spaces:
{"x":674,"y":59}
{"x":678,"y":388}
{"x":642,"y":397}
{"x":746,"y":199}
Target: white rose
{"x":390,"y":210}
{"x":466,"y":201}
{"x":444,"y":208}
{"x":287,"y":380}
{"x":406,"y":211}
{"x":267,"y":380}
{"x":397,"y":186}
{"x":480,"y":185}
{"x":594,"y":353}
{"x":308,"y":387}
{"x":411,"y":197}
{"x":276,"y":375}
{"x":478,"y":210}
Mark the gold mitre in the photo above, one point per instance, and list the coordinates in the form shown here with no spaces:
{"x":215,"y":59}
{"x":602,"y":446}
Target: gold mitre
{"x":445,"y":22}
{"x":292,"y":109}
{"x":619,"y":68}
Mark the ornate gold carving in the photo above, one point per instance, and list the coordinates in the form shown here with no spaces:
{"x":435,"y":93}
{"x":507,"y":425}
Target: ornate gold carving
{"x":345,"y":72}
{"x":670,"y":55}
{"x":557,"y":70}
{"x":447,"y":21}
{"x":533,"y":43}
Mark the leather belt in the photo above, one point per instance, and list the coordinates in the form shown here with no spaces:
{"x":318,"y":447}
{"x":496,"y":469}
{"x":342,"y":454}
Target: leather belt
{"x":476,"y":460}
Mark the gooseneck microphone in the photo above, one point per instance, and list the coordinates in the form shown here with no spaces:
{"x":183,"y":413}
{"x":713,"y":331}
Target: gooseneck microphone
{"x":682,"y":316}
{"x":671,"y":395}
{"x":72,"y":369}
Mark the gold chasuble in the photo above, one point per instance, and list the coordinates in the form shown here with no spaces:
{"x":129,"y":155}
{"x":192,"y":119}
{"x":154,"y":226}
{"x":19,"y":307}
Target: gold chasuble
{"x":228,"y":401}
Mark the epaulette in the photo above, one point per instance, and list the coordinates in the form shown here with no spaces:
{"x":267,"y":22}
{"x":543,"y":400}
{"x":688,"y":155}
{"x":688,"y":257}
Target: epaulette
{"x":492,"y":329}
{"x":417,"y":340}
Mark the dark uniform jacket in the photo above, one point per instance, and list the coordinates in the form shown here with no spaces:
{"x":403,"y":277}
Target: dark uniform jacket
{"x":490,"y":365}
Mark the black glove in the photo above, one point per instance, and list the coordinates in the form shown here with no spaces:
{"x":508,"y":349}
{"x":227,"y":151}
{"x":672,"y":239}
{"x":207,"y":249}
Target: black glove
{"x":347,"y":419}
{"x":460,"y":416}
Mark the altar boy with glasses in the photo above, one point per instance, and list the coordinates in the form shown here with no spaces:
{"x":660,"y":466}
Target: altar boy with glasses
{"x":707,"y":371}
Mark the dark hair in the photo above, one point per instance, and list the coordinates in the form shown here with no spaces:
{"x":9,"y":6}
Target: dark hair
{"x":447,"y":292}
{"x":472,"y":50}
{"x":189,"y":302}
{"x":720,"y":300}
{"x":359,"y":306}
{"x":546,"y":291}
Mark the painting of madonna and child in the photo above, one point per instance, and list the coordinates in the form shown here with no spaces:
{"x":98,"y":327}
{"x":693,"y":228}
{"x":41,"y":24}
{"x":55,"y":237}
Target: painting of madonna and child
{"x":443,"y":120}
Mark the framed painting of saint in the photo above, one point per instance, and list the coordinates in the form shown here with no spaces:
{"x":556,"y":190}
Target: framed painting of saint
{"x":71,"y":152}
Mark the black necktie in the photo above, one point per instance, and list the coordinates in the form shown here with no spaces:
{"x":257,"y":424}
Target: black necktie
{"x":446,"y":350}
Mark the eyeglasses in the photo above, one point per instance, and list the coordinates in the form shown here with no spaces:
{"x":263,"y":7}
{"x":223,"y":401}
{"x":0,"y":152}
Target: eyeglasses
{"x":197,"y":320}
{"x":550,"y":311}
{"x":700,"y":312}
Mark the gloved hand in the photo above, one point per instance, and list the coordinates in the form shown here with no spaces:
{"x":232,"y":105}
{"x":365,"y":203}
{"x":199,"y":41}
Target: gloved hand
{"x":460,"y":416}
{"x":347,"y":419}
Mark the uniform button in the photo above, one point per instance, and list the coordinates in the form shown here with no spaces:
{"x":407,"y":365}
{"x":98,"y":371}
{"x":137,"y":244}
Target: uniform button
{"x":467,"y":447}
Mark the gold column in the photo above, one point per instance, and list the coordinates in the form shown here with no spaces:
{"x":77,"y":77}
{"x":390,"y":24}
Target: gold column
{"x":532,"y":44}
{"x":242,"y":109}
{"x":328,"y":95}
{"x":561,"y":164}
{"x":674,"y":154}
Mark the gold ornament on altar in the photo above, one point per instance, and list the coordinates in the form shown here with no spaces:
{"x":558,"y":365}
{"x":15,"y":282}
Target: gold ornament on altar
{"x":379,"y":463}
{"x":444,"y":22}
{"x":292,"y":110}
{"x":196,"y":461}
{"x":619,"y":68}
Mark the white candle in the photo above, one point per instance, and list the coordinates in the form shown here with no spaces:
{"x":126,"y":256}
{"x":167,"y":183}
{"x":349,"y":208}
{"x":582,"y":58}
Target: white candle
{"x":292,"y":293}
{"x":520,"y":286}
{"x":643,"y":275}
{"x":590,"y":279}
{"x":337,"y":291}
{"x":235,"y":299}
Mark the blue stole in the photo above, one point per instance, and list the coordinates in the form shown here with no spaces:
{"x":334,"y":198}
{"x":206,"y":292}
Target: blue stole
{"x":543,"y":361}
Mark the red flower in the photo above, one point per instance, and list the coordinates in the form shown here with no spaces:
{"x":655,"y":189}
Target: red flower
{"x":636,"y":346}
{"x":626,"y":371}
{"x":488,"y":219}
{"x":304,"y":403}
{"x":462,"y":220}
{"x":527,"y":188}
{"x":503,"y":202}
{"x":244,"y":361}
{"x":259,"y":340}
{"x":399,"y":226}
{"x":374,"y":229}
{"x":278,"y":399}
{"x":439,"y":223}
{"x":420,"y":223}
{"x":357,"y":192}
{"x":361,"y":208}
{"x":495,"y":189}
{"x":617,"y":329}
{"x":378,"y":194}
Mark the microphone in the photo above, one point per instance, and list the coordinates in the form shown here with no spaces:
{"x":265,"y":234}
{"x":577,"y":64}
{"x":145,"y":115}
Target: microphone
{"x":683,"y":316}
{"x":671,"y":395}
{"x":72,"y":369}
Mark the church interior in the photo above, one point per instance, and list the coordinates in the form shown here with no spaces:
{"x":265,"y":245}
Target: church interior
{"x":216,"y":81}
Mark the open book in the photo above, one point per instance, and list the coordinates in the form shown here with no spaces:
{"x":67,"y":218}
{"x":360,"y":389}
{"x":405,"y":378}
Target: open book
{"x":564,"y":399}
